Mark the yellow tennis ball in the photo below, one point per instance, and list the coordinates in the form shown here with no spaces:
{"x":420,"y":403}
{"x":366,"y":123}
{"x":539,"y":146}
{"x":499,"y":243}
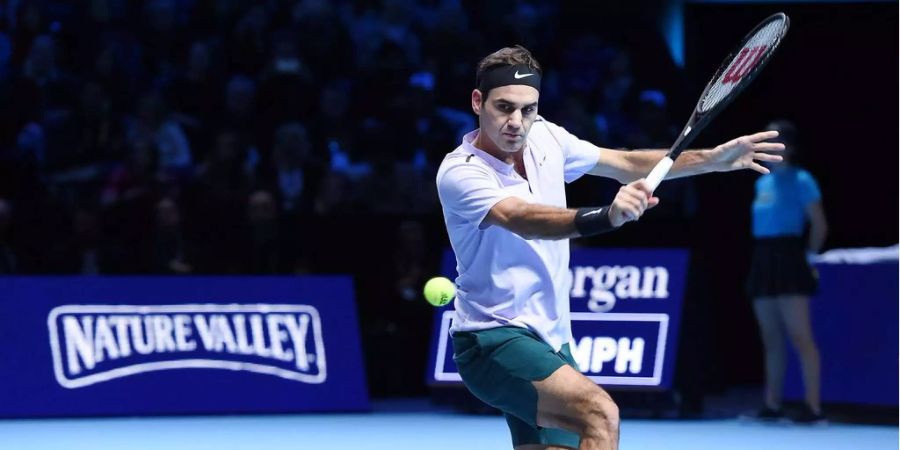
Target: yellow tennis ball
{"x":439,"y":291}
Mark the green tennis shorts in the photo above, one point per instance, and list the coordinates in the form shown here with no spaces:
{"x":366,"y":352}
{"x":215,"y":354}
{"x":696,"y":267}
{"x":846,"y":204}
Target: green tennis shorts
{"x":498,"y":366}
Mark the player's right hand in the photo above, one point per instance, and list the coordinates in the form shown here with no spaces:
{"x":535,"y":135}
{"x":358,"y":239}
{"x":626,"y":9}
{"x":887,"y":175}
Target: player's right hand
{"x":630,"y":203}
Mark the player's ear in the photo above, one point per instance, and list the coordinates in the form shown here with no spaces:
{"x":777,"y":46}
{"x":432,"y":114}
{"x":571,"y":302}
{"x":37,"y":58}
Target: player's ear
{"x":477,"y":101}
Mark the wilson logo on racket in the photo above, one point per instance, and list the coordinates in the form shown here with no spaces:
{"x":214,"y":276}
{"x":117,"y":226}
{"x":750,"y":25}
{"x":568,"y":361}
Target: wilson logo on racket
{"x":95,"y":343}
{"x":744,"y":63}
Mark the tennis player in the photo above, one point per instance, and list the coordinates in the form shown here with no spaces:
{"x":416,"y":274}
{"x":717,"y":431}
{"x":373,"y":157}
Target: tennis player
{"x":503,"y":198}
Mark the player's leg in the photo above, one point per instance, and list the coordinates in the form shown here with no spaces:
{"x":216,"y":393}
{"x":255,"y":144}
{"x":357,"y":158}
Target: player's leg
{"x":570,"y":401}
{"x":795,"y":313}
{"x":500,"y":366}
{"x":768,"y":316}
{"x":540,"y":438}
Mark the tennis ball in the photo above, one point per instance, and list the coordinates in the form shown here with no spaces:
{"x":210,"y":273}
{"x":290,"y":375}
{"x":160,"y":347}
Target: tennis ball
{"x":439,"y":291}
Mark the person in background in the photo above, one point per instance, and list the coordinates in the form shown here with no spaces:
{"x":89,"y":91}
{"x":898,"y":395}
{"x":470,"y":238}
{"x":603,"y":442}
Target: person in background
{"x":272,"y":243}
{"x":781,"y":279}
{"x":172,"y":255}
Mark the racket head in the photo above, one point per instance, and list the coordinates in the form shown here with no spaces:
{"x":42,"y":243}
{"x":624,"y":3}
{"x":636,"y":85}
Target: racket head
{"x":742,"y":65}
{"x":735,"y":73}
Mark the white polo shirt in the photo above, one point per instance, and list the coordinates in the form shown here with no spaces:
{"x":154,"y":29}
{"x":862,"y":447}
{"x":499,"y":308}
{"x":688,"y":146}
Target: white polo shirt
{"x":505,"y":279}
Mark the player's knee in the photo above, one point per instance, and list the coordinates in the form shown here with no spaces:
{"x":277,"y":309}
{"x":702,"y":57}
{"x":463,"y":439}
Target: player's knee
{"x":611,"y":416}
{"x":602,"y":416}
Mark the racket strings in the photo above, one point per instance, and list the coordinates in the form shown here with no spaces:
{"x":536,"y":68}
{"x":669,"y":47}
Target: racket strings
{"x":753,"y":51}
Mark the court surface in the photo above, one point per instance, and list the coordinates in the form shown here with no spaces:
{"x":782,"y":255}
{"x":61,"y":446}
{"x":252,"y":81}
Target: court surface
{"x":398,"y":430}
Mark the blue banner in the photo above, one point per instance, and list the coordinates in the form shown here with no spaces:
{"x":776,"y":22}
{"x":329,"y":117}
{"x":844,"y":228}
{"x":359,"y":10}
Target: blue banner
{"x":626,"y":310}
{"x":854,"y":319}
{"x":142,"y":345}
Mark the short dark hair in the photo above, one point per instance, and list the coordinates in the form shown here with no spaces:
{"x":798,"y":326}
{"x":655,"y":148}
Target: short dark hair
{"x":507,"y":56}
{"x":787,"y":132}
{"x":787,"y":135}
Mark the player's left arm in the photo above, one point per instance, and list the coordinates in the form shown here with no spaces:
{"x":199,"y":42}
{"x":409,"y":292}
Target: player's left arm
{"x":739,"y":153}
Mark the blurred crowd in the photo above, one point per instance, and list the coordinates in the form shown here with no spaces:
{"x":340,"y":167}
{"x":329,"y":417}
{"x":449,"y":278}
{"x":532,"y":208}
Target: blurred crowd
{"x":224,"y":136}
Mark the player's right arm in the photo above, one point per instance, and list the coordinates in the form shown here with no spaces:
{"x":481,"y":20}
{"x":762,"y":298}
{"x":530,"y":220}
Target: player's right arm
{"x":531,"y":220}
{"x":535,"y":221}
{"x":472,"y":193}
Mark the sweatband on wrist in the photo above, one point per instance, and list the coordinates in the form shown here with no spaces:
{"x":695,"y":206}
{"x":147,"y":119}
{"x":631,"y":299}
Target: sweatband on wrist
{"x":506,"y":75}
{"x":591,"y":221}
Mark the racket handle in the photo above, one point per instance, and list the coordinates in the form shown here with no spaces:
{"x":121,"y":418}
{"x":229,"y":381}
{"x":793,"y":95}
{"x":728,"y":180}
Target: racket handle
{"x":658,"y":173}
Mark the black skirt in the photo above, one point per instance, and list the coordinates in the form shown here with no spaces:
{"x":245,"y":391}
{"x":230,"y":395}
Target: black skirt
{"x":780,"y":267}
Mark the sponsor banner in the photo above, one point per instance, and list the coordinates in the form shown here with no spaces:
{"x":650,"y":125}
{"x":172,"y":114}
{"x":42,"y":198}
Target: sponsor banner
{"x":626,"y":310}
{"x":854,"y":317}
{"x":141,"y":345}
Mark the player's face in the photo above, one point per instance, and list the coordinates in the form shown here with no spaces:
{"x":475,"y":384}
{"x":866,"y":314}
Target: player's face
{"x":507,"y":115}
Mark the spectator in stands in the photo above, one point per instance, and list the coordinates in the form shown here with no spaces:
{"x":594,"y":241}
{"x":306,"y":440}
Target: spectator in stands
{"x":286,"y":83}
{"x":409,"y":259}
{"x":85,"y":253}
{"x":116,"y":73}
{"x":272,"y":243}
{"x":240,"y":114}
{"x":248,"y":41}
{"x":90,"y":138}
{"x":128,"y":198}
{"x":27,"y":23}
{"x":262,"y":239}
{"x":215,"y":200}
{"x":163,"y":36}
{"x":333,"y":196}
{"x":320,"y":36}
{"x":195,"y":96}
{"x":296,"y":172}
{"x":154,"y":122}
{"x":44,"y":91}
{"x":137,"y":176}
{"x":172,"y":255}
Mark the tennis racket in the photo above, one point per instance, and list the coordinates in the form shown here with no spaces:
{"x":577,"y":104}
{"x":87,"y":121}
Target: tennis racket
{"x":733,"y":76}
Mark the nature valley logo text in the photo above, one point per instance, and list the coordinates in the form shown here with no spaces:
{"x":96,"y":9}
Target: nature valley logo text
{"x":95,"y":343}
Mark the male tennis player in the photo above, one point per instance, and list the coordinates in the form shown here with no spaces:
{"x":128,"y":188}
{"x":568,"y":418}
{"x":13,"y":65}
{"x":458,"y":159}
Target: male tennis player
{"x":504,"y":204}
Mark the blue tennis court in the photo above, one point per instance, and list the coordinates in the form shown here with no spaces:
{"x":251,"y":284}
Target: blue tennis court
{"x":411,"y":430}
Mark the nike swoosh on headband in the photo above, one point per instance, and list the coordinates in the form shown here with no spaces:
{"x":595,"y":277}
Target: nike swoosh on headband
{"x":521,"y":76}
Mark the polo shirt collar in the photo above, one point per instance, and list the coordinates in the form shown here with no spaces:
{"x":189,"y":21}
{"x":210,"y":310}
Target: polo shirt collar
{"x":498,"y":165}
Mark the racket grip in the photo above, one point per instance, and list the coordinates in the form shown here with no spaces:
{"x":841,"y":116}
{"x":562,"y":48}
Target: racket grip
{"x":658,"y":173}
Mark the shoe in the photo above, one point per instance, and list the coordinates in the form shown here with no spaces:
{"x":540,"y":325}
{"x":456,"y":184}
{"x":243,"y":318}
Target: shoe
{"x":765,"y":414}
{"x":806,"y":416}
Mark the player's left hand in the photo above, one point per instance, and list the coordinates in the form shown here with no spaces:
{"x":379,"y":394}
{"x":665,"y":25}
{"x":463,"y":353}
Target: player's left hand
{"x":745,"y":151}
